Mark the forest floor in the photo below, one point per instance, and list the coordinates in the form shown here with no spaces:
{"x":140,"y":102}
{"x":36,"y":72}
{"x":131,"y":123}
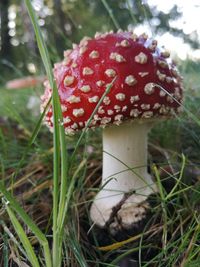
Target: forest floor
{"x":171,"y":237}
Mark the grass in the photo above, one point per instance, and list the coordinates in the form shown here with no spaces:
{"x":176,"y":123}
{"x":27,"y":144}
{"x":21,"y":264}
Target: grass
{"x":45,"y":205}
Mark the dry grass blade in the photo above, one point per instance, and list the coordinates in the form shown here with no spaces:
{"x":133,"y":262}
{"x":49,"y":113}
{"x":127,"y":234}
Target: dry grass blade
{"x":118,"y":245}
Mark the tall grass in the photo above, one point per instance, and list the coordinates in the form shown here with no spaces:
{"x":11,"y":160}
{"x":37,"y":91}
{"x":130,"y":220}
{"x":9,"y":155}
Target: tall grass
{"x":59,"y":178}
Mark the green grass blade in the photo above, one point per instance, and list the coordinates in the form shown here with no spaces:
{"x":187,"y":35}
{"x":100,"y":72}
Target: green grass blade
{"x":187,"y":111}
{"x":58,"y":138}
{"x":178,"y":180}
{"x":5,"y":250}
{"x":32,"y":139}
{"x":23,"y":237}
{"x":110,"y":12}
{"x":40,"y":42}
{"x":162,"y":193}
{"x":12,"y":237}
{"x":76,"y":249}
{"x":61,"y":219}
{"x":64,"y":184}
{"x":62,"y":215}
{"x":134,"y":19}
{"x":28,"y":221}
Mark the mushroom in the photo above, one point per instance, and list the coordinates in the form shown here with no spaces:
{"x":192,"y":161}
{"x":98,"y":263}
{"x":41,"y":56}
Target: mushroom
{"x":25,"y":82}
{"x":146,"y":87}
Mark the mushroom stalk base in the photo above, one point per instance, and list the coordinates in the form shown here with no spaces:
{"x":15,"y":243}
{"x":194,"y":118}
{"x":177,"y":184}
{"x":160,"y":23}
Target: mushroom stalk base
{"x":126,"y":183}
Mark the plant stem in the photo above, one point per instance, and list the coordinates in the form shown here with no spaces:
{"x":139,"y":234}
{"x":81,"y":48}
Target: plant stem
{"x":124,"y":169}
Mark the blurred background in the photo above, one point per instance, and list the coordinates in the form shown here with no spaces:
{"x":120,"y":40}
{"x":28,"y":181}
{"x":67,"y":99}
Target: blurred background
{"x":63,"y":22}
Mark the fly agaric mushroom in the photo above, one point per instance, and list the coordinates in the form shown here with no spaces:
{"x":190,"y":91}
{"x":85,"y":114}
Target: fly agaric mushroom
{"x":147,"y":87}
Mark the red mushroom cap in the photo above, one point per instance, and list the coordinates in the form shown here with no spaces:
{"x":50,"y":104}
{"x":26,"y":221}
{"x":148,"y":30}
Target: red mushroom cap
{"x":141,"y":70}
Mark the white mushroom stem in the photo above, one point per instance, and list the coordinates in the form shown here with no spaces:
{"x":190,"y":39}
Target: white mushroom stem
{"x":124,"y":172}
